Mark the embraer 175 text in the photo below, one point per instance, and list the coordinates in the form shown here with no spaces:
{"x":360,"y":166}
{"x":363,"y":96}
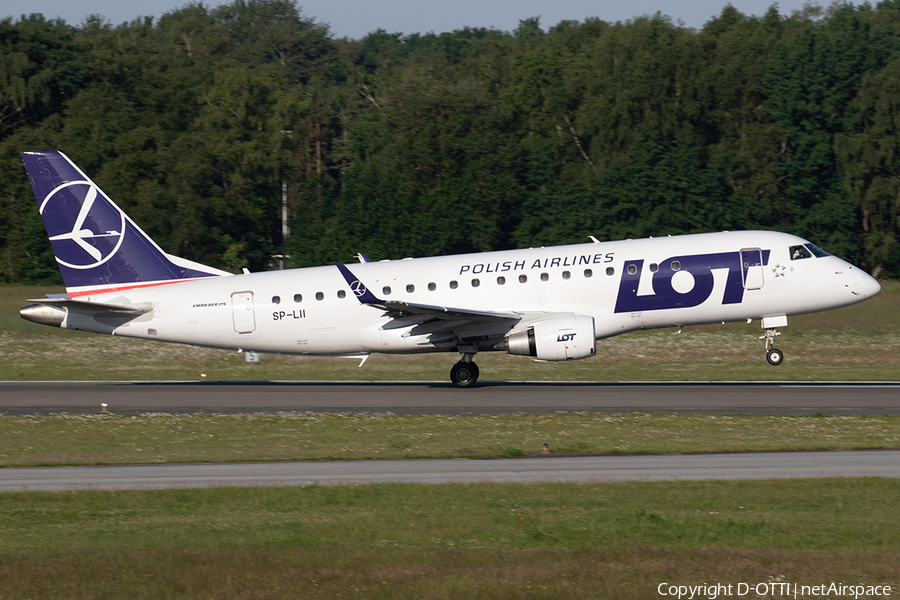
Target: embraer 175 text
{"x":550,"y":303}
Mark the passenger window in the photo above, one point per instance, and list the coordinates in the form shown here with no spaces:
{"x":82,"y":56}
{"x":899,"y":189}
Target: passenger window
{"x":276,"y":299}
{"x":432,"y":286}
{"x":610,"y":271}
{"x":654,"y":267}
{"x":386,"y":290}
{"x":523,"y":278}
{"x":320,"y":296}
{"x":632,"y":269}
{"x":588,"y":273}
{"x":501,"y":280}
{"x":800,"y":252}
{"x":545,"y":277}
{"x":410,"y":288}
{"x":298,"y":298}
{"x":676,"y":265}
{"x":476,"y":283}
{"x":342,"y":294}
{"x":566,"y":274}
{"x":453,"y":285}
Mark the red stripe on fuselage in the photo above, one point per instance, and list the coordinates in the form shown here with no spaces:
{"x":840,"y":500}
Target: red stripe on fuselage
{"x":132,"y":287}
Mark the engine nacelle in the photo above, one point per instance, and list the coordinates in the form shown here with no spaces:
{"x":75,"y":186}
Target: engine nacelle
{"x":560,"y":338}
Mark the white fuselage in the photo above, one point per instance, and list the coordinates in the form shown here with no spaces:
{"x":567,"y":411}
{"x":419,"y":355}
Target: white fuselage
{"x":623,"y":285}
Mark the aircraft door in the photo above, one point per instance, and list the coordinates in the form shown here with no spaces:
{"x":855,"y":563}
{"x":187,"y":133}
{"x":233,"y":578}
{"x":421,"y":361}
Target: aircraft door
{"x":752,"y":268}
{"x":242,"y":309}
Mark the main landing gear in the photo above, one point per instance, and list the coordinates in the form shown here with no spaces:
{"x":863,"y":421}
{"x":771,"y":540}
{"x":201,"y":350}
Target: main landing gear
{"x":464,"y":373}
{"x":775,"y":357}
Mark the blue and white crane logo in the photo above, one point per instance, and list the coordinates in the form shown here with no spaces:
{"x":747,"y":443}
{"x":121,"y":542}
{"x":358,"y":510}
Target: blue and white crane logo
{"x":86,"y":229}
{"x":358,"y":288}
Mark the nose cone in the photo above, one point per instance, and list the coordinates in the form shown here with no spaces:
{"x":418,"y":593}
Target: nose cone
{"x":852,"y":285}
{"x":860,"y":284}
{"x":869,"y":286}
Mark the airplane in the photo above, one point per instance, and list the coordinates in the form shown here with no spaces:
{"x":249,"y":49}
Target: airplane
{"x":549,"y":303}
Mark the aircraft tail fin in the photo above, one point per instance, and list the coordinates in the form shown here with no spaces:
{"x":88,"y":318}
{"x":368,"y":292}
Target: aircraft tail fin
{"x":98,"y":247}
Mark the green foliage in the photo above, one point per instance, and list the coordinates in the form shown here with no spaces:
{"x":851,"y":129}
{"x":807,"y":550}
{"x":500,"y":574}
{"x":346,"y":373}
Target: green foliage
{"x":466,"y":141}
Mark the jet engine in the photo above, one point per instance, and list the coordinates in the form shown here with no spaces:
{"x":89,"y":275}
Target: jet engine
{"x":561,"y":338}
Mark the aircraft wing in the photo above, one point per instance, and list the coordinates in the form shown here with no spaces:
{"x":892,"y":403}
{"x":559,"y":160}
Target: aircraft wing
{"x":398,"y":308}
{"x":443,"y":312}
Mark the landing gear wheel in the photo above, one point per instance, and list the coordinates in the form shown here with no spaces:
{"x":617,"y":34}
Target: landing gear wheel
{"x":464,"y":374}
{"x":775,"y":357}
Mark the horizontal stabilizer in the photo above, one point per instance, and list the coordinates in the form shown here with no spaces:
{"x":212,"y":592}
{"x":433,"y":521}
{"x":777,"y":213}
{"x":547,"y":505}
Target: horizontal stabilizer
{"x":95,"y":307}
{"x":100,"y":317}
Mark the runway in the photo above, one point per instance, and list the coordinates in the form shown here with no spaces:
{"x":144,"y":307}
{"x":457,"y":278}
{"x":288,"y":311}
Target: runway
{"x":837,"y":398}
{"x":440,"y":397}
{"x":584,"y":469}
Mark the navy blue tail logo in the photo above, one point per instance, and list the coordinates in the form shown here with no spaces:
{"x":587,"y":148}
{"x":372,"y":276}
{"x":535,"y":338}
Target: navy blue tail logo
{"x":84,"y":226}
{"x":94,"y":241}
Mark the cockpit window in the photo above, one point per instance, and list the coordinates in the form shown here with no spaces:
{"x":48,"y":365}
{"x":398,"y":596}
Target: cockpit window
{"x":800,"y":252}
{"x":807,"y":251}
{"x":817,"y":251}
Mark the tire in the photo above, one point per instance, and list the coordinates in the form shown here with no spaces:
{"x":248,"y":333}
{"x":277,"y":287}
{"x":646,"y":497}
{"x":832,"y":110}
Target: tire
{"x":464,"y":374}
{"x":775,"y":357}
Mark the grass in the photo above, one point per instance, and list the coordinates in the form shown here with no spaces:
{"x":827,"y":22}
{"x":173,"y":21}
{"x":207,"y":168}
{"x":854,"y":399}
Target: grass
{"x":459,"y":541}
{"x":857,"y":343}
{"x":35,"y":440}
{"x":464,"y":541}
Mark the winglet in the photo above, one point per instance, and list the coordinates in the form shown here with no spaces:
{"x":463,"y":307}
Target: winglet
{"x":363,"y":258}
{"x":361,"y":292}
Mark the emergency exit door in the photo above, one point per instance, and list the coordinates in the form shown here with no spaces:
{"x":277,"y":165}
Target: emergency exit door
{"x":242,"y":308}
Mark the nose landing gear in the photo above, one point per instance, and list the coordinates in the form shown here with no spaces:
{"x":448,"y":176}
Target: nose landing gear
{"x":774,"y":356}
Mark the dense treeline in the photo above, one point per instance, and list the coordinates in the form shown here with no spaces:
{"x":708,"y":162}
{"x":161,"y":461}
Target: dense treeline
{"x":473,"y":140}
